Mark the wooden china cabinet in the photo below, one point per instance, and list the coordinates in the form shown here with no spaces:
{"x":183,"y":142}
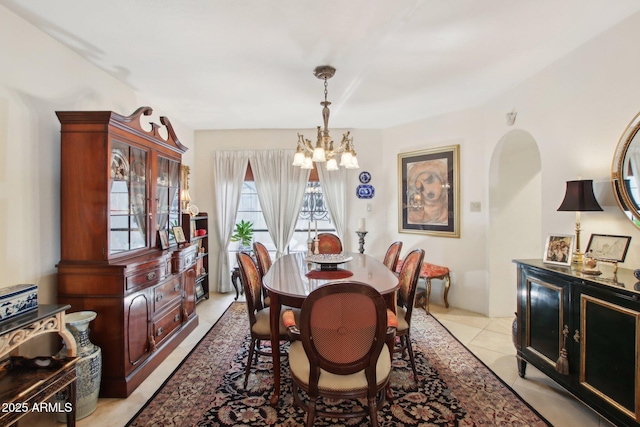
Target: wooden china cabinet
{"x":119,"y":187}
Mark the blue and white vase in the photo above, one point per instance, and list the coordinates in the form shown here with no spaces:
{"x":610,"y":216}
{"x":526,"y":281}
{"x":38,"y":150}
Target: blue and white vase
{"x":88,"y":367}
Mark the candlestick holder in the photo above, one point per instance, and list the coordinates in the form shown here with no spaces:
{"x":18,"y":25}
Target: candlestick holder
{"x":361,"y":235}
{"x":316,"y":245}
{"x":309,"y":247}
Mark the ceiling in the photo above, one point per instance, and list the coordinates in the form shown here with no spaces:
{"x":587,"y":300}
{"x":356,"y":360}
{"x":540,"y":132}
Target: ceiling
{"x":248,"y":64}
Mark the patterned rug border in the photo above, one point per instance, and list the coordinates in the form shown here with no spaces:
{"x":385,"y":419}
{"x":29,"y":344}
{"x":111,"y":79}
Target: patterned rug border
{"x":534,"y":410}
{"x":182,"y":362}
{"x":239,"y":345}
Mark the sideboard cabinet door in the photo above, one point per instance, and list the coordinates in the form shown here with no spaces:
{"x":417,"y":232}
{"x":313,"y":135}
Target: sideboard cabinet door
{"x":544,"y":303}
{"x":608,"y":338}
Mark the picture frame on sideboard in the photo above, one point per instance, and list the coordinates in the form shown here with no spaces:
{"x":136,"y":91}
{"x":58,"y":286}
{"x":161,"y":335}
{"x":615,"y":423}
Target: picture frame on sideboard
{"x":558,"y":249}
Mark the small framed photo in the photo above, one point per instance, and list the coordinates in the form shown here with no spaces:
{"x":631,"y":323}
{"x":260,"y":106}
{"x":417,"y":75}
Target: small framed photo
{"x":199,"y":291}
{"x":607,"y":247}
{"x":163,"y":239}
{"x":558,"y":249}
{"x":178,"y":233}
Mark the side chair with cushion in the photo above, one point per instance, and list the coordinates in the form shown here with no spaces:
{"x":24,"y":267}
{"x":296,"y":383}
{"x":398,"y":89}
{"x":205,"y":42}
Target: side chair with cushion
{"x":408,"y":278}
{"x":341,"y":351}
{"x":264,"y":264}
{"x":258,"y":313}
{"x":392,"y":256}
{"x":329,"y":244}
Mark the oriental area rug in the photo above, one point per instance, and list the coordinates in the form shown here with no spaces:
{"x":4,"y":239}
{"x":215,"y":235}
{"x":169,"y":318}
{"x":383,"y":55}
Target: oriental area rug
{"x":454,"y":387}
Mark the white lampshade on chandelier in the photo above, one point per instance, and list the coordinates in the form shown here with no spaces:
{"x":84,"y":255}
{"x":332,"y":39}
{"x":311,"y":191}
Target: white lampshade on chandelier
{"x":306,"y":153}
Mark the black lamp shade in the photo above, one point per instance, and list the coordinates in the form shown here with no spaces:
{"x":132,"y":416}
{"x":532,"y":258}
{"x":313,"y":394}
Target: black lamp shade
{"x":579,"y":197}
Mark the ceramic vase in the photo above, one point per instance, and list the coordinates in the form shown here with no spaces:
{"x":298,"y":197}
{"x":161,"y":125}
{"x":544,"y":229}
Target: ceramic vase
{"x":89,"y":365}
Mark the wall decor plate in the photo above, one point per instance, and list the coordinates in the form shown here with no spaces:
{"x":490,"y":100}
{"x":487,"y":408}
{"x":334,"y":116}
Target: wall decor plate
{"x":365,"y":177}
{"x":365,"y":191}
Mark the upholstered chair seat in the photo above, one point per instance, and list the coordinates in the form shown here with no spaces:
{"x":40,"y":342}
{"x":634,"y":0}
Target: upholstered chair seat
{"x":299,"y":363}
{"x":262,"y":326}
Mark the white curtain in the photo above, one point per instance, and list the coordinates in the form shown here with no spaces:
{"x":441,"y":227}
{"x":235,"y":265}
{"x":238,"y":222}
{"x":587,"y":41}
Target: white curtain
{"x":334,"y":189}
{"x":280,"y":188}
{"x":229,"y":168}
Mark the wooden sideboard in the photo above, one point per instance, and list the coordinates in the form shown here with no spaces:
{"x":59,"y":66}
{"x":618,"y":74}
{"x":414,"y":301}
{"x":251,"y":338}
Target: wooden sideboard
{"x":588,"y":324}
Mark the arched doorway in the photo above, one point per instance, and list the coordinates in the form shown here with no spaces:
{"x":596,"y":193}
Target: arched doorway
{"x":515,"y":216}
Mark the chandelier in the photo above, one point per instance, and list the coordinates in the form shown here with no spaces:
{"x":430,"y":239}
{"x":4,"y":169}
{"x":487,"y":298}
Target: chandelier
{"x":324,"y":151}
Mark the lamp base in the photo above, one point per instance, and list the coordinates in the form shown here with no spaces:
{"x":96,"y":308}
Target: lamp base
{"x":577,"y":259}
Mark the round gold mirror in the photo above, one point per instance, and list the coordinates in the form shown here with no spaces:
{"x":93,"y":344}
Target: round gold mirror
{"x":625,"y":171}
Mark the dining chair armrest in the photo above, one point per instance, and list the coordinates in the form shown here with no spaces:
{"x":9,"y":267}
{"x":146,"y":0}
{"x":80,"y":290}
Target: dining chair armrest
{"x":289,"y":320}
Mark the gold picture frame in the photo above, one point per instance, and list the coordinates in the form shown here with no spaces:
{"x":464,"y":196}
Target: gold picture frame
{"x":429,"y":191}
{"x":178,"y":233}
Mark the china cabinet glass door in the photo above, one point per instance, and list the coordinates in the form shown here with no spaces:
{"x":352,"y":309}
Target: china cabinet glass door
{"x":168,"y":189}
{"x":128,"y":199}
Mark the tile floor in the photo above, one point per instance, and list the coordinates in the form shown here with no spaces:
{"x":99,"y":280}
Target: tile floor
{"x":488,"y":338}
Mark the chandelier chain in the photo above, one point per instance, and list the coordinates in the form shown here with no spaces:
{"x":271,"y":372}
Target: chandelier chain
{"x":326,"y":91}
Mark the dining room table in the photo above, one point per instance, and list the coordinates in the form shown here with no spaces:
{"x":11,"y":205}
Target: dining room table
{"x":293,"y":277}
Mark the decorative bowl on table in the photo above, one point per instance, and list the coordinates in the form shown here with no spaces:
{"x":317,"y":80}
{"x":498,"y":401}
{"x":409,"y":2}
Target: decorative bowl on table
{"x":328,"y":262}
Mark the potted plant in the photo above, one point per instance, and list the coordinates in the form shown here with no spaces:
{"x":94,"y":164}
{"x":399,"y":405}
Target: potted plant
{"x":243,"y":233}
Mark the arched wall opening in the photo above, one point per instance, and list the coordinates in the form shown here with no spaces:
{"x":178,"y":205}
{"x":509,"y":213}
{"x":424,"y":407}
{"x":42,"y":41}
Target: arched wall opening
{"x":515,"y":216}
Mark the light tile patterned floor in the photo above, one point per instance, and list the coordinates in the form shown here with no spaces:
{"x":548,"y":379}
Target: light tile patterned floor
{"x":488,"y":338}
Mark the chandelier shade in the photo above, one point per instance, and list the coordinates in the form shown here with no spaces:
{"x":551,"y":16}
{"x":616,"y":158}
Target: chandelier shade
{"x":324,"y":151}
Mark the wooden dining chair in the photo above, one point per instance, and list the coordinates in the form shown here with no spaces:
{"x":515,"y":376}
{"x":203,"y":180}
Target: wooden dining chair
{"x":408,"y":278}
{"x":264,"y":264}
{"x":392,"y":256}
{"x":329,"y":244}
{"x":258,"y":314}
{"x":341,"y":350}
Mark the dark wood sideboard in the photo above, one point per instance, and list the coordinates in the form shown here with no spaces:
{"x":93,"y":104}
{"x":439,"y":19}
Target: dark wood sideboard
{"x":120,"y":187}
{"x":593,"y":321}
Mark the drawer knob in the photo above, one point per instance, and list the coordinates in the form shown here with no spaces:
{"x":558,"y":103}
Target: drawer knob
{"x":176,"y":287}
{"x":159,"y":331}
{"x":159,"y":297}
{"x":152,"y":275}
{"x":176,"y":318}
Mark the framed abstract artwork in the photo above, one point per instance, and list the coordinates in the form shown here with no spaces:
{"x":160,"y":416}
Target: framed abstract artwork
{"x":429,"y":191}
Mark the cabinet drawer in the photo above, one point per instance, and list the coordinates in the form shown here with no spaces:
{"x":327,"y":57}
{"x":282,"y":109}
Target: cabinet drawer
{"x":163,"y":326}
{"x":147,"y":277}
{"x":166,"y":293}
{"x":183,"y":258}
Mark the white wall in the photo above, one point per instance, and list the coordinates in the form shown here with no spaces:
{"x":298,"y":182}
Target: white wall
{"x":38,"y":77}
{"x":575,"y":110}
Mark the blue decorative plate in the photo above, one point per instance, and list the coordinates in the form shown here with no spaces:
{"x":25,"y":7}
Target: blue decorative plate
{"x":365,"y":191}
{"x":365,"y":177}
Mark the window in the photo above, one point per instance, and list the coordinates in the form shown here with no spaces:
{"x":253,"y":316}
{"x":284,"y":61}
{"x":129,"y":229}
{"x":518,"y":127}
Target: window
{"x":313,"y":209}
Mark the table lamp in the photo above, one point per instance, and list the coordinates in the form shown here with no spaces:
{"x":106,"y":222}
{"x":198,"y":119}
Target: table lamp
{"x":578,"y":198}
